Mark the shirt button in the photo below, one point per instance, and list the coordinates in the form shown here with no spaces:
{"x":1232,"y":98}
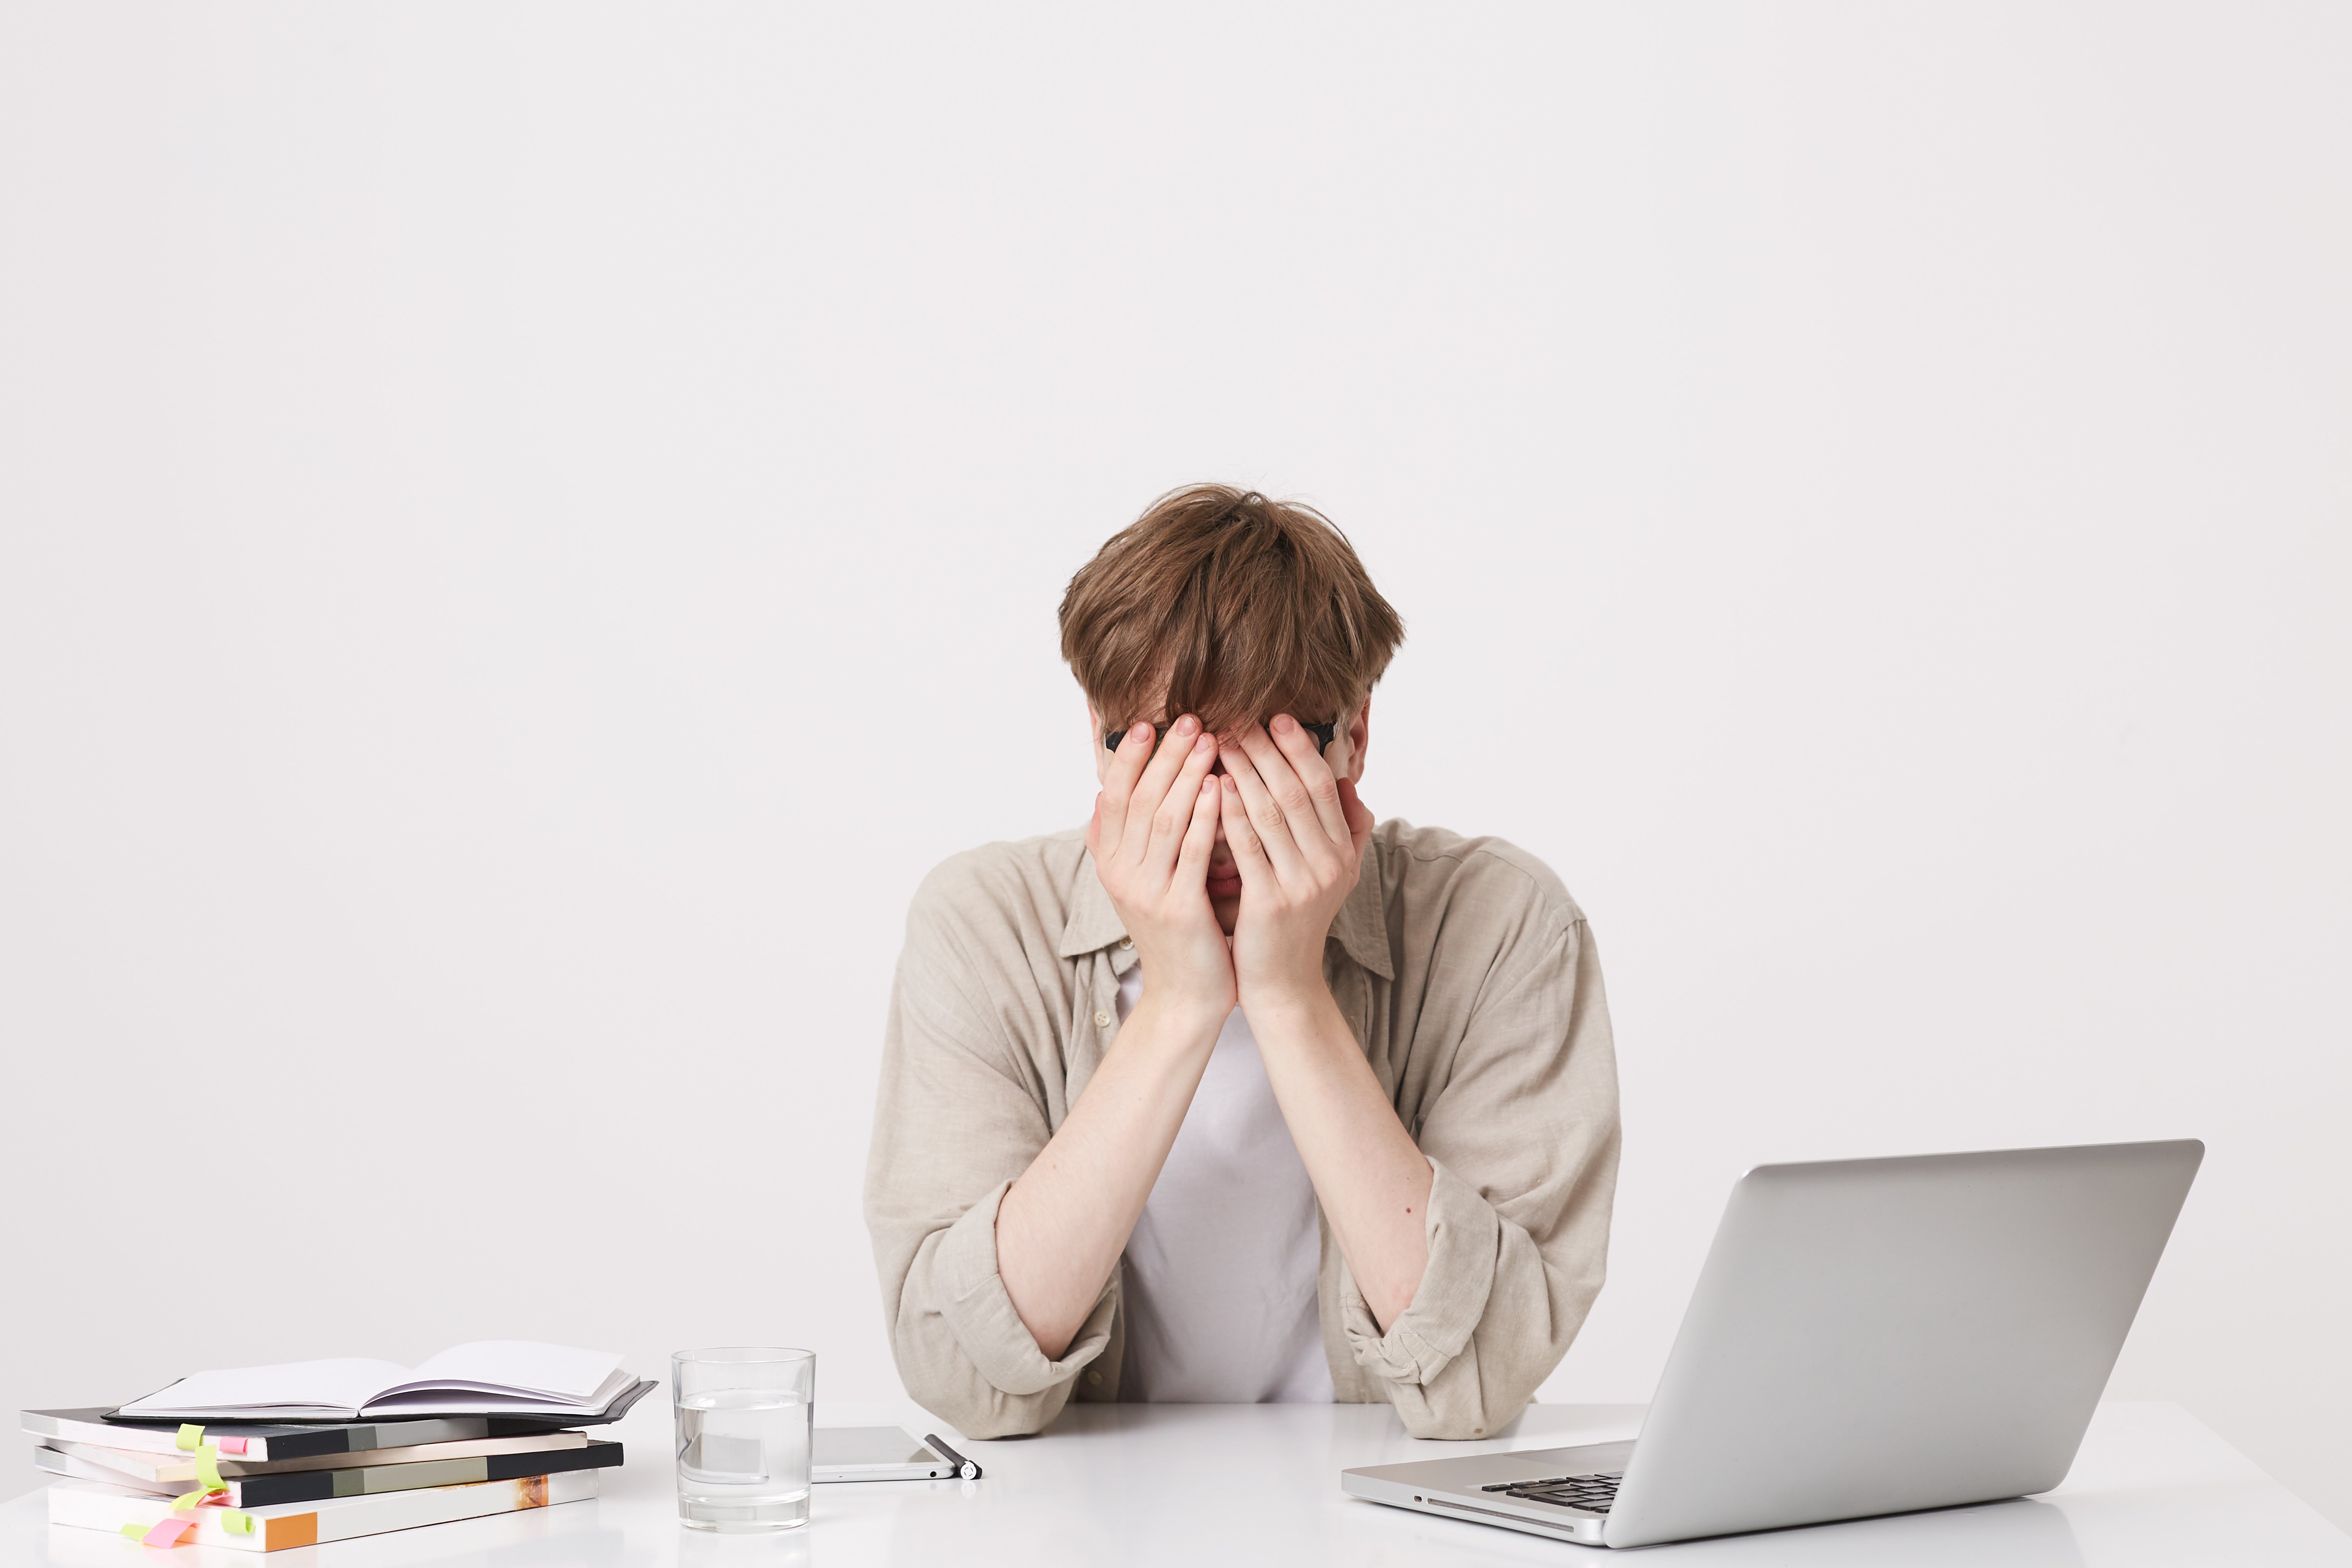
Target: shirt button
{"x":1094,"y":1379}
{"x":1102,"y":1020}
{"x":1125,"y":942}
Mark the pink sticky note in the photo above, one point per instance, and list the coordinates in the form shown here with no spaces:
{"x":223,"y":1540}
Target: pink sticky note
{"x":231,"y":1444}
{"x":168,"y":1532}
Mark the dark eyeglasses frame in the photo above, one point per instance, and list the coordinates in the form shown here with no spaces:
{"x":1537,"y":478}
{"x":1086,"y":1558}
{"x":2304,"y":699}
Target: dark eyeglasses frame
{"x":1324,"y":734}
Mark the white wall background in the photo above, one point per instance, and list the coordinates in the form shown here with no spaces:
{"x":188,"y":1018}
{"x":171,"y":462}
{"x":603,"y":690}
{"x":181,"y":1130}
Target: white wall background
{"x":525,"y":530}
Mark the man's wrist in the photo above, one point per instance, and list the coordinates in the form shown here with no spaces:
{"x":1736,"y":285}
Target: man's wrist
{"x":1192,"y":1020}
{"x":1276,"y":1003}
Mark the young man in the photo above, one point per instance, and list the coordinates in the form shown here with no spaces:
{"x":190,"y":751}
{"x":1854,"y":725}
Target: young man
{"x":1235,"y":1095}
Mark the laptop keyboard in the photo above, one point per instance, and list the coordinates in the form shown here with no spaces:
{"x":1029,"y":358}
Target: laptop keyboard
{"x":1593,"y":1494}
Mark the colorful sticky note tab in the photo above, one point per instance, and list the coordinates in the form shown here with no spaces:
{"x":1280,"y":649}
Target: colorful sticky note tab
{"x":231,"y":1444}
{"x":189,"y":1436}
{"x":236,"y":1523}
{"x":208,"y":1467}
{"x":168,"y":1532}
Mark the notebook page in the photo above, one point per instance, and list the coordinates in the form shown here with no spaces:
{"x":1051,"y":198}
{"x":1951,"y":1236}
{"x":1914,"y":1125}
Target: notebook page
{"x":516,"y":1366}
{"x":344,"y":1384}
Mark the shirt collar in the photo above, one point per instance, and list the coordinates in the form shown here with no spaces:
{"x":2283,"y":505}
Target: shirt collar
{"x":1360,"y":928}
{"x":1092,"y":924}
{"x":1362,"y":922}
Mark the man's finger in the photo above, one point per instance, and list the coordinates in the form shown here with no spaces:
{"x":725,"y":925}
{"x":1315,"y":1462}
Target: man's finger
{"x":1118,"y":783}
{"x":1150,"y":802}
{"x":1200,"y":838}
{"x":1242,"y":836}
{"x":1315,"y":776}
{"x":1171,"y":819}
{"x":1281,"y":844}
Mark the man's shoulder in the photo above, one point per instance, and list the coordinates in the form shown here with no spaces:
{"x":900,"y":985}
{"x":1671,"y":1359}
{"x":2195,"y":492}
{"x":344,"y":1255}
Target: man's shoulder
{"x":1022,"y":883}
{"x":1436,"y":866}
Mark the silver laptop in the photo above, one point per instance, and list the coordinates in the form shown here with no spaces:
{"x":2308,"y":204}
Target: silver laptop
{"x":1867,"y":1336}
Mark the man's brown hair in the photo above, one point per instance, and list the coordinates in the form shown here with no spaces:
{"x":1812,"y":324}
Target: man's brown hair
{"x":1236,"y":606}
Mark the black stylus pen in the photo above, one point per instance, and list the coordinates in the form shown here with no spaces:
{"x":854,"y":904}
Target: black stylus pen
{"x":963,"y":1467}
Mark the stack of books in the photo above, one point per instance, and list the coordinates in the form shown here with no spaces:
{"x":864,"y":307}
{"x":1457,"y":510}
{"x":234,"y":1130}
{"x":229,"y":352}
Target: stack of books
{"x":261,"y":1459}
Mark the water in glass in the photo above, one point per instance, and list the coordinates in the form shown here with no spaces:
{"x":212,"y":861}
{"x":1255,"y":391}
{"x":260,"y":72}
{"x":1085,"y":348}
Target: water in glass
{"x":742,"y":1456}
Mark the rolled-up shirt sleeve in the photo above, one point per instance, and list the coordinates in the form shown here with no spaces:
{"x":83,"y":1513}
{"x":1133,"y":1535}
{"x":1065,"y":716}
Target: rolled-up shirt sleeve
{"x":957,"y":1118}
{"x":1522,"y":1143}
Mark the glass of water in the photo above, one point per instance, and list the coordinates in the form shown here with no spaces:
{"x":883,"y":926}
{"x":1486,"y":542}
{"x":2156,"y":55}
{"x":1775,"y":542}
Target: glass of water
{"x":744,"y":1418}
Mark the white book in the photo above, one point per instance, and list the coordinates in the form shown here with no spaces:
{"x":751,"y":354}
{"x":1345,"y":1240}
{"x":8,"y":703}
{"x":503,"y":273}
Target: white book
{"x":94,"y":1504}
{"x":77,"y":1468}
{"x":489,"y":1377}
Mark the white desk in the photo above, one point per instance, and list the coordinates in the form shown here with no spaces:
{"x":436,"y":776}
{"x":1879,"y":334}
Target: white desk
{"x":1217,"y":1486}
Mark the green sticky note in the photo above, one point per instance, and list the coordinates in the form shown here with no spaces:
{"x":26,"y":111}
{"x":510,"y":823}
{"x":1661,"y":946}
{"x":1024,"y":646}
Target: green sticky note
{"x":208,"y":1467}
{"x":132,"y":1530}
{"x":189,"y":1436}
{"x":236,"y":1523}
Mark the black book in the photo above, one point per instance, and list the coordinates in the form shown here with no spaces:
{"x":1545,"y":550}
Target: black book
{"x":302,"y":1440}
{"x":358,"y":1481}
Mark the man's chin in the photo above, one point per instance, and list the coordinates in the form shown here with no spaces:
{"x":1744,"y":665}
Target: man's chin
{"x":1227,"y":908}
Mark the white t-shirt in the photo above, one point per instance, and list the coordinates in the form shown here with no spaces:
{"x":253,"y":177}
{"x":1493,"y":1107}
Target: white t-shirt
{"x":1220,"y":1294}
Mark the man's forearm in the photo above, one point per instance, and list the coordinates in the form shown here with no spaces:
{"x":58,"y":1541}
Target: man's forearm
{"x":1061,"y":1226}
{"x":1372,"y":1180}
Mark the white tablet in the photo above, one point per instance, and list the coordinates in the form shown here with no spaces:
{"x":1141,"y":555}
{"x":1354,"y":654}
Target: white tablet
{"x":872,"y":1454}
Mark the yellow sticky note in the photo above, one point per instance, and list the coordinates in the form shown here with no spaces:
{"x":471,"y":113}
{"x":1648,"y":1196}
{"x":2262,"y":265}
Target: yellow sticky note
{"x":208,"y":1467}
{"x":132,"y":1530}
{"x":236,"y":1523}
{"x":189,"y":1438}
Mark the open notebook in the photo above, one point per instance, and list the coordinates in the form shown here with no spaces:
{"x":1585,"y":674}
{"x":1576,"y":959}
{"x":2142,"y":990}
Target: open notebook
{"x":489,"y":1377}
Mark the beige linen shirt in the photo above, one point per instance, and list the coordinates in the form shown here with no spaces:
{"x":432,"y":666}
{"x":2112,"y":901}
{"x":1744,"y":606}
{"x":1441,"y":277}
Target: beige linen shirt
{"x":1465,"y":973}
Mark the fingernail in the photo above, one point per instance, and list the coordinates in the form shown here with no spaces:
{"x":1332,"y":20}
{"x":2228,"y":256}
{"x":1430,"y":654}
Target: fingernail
{"x":1203,"y":746}
{"x":1187,"y":724}
{"x":1142,"y":732}
{"x":1284,"y":723}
